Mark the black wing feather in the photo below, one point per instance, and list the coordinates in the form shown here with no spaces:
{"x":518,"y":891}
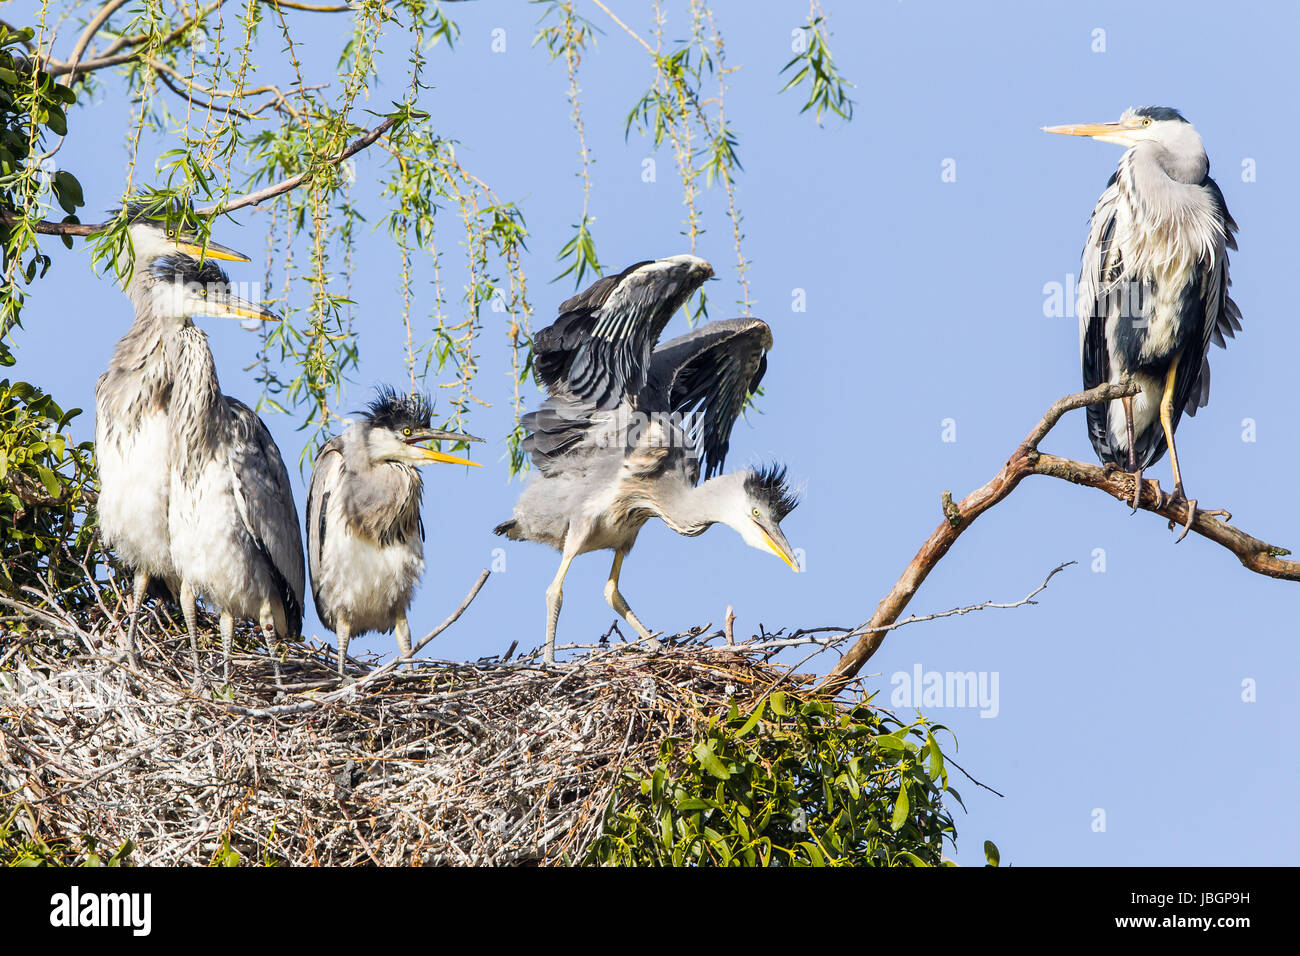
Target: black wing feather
{"x":709,"y":373}
{"x":598,"y":350}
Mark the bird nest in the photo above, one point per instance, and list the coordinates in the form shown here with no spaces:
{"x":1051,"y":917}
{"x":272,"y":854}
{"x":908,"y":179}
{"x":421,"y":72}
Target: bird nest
{"x":499,"y":761}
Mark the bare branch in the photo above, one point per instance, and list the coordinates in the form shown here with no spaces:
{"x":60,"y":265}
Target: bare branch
{"x":1256,"y":555}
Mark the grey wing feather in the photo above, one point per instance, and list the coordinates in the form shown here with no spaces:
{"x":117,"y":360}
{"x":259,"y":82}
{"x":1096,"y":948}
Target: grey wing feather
{"x":264,"y":499}
{"x":709,"y":373}
{"x":1213,"y":310}
{"x":1102,"y":266}
{"x":598,"y":350}
{"x":324,"y":479}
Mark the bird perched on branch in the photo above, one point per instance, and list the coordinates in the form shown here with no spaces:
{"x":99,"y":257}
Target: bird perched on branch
{"x":1153,"y":288}
{"x":132,"y":400}
{"x":629,"y":422}
{"x":365,"y":537}
{"x":231,"y":517}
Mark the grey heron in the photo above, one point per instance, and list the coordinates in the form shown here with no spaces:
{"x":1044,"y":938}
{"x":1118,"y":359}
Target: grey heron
{"x":365,"y":537}
{"x":132,"y":399}
{"x":230,"y":516}
{"x":621,"y":436}
{"x":1153,"y":288}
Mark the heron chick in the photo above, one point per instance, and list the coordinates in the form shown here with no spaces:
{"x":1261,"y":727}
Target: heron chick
{"x":231,"y":516}
{"x":365,"y":537}
{"x":132,"y":402}
{"x":629,"y":421}
{"x":1153,"y":289}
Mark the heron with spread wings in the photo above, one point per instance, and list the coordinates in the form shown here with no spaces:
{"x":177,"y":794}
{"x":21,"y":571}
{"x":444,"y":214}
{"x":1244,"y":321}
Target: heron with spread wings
{"x":1153,"y":288}
{"x":630,"y":427}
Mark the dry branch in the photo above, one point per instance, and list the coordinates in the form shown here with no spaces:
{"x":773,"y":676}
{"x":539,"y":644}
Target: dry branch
{"x":1256,"y":555}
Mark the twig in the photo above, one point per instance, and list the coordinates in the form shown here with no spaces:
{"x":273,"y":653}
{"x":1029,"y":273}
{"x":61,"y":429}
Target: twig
{"x":1256,"y":555}
{"x":47,"y":228}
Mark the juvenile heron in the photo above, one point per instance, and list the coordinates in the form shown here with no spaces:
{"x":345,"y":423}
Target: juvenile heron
{"x":131,"y":404}
{"x":365,"y":537}
{"x":620,"y":438}
{"x":231,"y":517}
{"x":1153,"y":288}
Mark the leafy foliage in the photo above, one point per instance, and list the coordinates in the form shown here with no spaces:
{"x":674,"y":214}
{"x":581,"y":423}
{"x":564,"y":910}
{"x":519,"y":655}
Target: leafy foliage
{"x":31,"y":104}
{"x":45,"y":477}
{"x":814,"y":65}
{"x":45,"y":491}
{"x":790,"y":783}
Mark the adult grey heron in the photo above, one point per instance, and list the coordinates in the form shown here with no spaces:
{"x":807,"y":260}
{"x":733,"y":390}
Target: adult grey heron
{"x":620,"y":439}
{"x":132,"y":399}
{"x":365,"y":537}
{"x":231,"y":517}
{"x":1153,"y":288}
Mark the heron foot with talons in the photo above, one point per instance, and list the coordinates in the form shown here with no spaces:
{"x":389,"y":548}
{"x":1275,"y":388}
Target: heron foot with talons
{"x":1192,"y":512}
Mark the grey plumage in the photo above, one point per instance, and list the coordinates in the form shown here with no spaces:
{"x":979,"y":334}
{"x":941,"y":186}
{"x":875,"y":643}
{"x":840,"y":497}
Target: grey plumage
{"x":1153,"y":288}
{"x":364,"y":532}
{"x":132,"y":403}
{"x":621,"y":436}
{"x":203,"y":478}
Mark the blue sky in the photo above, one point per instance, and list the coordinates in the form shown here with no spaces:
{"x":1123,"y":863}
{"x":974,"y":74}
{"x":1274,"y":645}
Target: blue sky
{"x":1121,"y":691}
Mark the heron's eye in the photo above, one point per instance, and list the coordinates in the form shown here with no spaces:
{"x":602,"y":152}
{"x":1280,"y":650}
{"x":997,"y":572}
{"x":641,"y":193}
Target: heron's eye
{"x":406,"y":431}
{"x":1147,"y":121}
{"x":757,"y":514}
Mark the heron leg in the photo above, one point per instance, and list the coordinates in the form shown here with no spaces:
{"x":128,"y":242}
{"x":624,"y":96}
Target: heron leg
{"x":1132,"y":452}
{"x":1167,"y":423}
{"x":227,"y":643}
{"x":137,"y":601}
{"x":266,"y":618}
{"x":615,"y":599}
{"x":402,"y":631}
{"x":554,"y":600}
{"x":344,"y":632}
{"x":191,"y":615}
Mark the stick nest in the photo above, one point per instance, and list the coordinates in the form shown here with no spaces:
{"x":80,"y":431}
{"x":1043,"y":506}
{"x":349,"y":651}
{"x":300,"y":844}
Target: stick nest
{"x":494,"y":762}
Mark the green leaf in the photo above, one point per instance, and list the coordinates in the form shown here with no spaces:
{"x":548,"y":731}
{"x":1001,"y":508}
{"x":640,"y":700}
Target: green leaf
{"x":991,"y":853}
{"x":938,"y":771}
{"x":753,"y":720}
{"x":709,"y":760}
{"x":49,"y":480}
{"x":902,"y":808}
{"x":68,"y":191}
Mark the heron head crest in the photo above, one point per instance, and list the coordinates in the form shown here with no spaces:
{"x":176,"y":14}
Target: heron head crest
{"x":767,"y":485}
{"x":395,"y":411}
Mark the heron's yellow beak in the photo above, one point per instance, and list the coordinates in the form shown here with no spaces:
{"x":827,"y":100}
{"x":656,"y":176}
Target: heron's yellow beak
{"x":438,"y":456}
{"x":230,"y":306}
{"x":1084,"y":129}
{"x":1116,"y":133}
{"x":782,"y":549}
{"x":435,"y":434}
{"x":213,"y":250}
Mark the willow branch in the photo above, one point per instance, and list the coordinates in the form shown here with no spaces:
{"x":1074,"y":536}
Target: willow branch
{"x":627,"y":29}
{"x":111,"y":57}
{"x":46,"y":228}
{"x":88,"y":34}
{"x":1254,"y":554}
{"x":293,"y":182}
